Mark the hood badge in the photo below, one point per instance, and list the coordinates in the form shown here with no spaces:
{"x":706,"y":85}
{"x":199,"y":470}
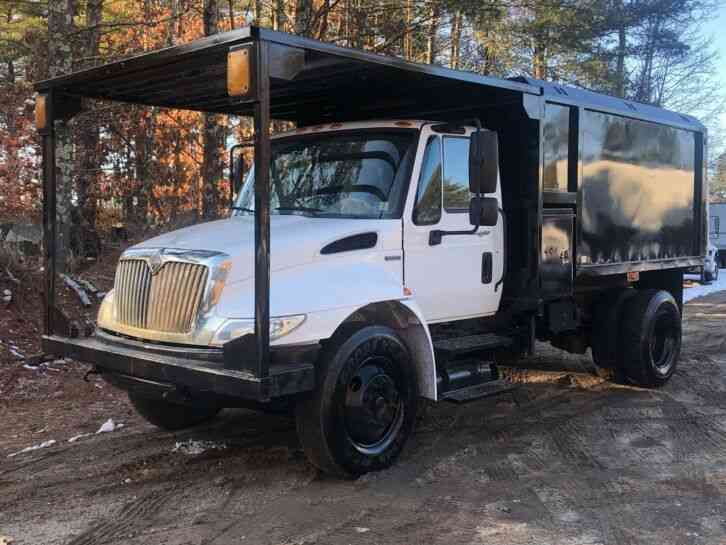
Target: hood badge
{"x":156,"y":262}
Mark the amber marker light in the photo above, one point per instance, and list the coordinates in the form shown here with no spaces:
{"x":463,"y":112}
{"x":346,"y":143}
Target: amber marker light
{"x":41,"y":112}
{"x":238,"y":72}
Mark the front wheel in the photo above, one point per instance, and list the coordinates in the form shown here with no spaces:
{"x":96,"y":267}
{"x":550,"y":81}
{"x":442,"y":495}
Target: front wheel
{"x":651,"y":338}
{"x":364,"y":407}
{"x":170,"y":416}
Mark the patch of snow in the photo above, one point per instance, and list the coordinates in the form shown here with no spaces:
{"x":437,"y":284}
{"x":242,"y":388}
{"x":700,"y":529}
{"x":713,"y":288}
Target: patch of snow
{"x":44,"y":444}
{"x":192,"y":447}
{"x":109,"y":425}
{"x":361,"y":529}
{"x":79,"y":436}
{"x":699,"y":290}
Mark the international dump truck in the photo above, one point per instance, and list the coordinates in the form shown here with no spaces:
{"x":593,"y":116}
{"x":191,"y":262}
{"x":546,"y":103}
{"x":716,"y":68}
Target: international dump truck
{"x":418,"y":229}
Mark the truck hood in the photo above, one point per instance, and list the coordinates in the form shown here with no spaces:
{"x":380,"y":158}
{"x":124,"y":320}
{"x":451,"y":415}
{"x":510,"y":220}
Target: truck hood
{"x":294,"y":240}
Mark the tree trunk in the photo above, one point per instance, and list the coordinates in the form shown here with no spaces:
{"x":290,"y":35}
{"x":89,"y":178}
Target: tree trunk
{"x":213,"y":134}
{"x":60,"y":61}
{"x":408,"y":49}
{"x":539,"y":59}
{"x":322,"y":32}
{"x":455,"y":39}
{"x":432,"y":49}
{"x":88,"y":136}
{"x":621,"y":51}
{"x":279,"y":21}
{"x":303,"y":17}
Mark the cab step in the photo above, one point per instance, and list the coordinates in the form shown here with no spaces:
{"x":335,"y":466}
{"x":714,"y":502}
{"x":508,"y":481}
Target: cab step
{"x":457,"y":347}
{"x":478,"y":391}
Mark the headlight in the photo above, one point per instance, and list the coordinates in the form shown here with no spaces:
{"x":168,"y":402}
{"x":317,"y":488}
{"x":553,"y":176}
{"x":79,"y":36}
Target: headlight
{"x":107,"y":311}
{"x":279,"y":327}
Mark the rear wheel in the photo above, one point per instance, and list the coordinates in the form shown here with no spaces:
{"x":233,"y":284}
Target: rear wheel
{"x":364,"y":407}
{"x":605,"y":340}
{"x":170,"y":416}
{"x":651,"y":338}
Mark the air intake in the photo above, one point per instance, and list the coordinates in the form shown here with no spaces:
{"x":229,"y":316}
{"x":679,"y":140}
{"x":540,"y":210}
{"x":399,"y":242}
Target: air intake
{"x":353,"y":242}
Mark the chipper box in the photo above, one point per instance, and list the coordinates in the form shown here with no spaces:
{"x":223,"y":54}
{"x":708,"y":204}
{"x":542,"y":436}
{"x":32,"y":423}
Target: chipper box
{"x":418,"y":227}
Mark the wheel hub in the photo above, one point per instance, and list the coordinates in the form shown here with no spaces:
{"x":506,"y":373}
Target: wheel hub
{"x":372,"y":405}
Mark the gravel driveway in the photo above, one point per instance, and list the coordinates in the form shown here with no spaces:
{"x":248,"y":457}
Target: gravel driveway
{"x":568,"y":458}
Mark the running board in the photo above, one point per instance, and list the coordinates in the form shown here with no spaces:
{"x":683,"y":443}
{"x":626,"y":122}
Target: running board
{"x":456,"y":347}
{"x":478,"y":391}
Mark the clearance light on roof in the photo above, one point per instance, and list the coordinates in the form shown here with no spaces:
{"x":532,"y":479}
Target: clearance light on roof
{"x":41,"y":112}
{"x":239,"y":72}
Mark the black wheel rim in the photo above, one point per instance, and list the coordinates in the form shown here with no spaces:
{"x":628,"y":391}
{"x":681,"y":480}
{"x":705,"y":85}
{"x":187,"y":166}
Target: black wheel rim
{"x":374,"y":407}
{"x":664,"y":341}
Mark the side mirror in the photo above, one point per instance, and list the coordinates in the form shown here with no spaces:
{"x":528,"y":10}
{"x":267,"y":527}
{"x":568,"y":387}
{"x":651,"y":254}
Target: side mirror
{"x":236,"y":169}
{"x":483,"y":211}
{"x":483,"y":162}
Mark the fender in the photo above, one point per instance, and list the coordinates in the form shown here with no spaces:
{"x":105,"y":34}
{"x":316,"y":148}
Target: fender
{"x":333,"y":292}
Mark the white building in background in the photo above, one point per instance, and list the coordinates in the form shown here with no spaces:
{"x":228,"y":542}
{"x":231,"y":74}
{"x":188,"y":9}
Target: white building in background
{"x":717,"y":229}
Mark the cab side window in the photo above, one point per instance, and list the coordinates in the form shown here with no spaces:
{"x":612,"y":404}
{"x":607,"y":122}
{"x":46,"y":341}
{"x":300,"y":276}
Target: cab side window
{"x":456,"y":174}
{"x":427,"y":210}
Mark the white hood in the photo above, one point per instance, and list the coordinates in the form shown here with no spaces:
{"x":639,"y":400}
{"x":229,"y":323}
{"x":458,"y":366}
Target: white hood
{"x":294,"y":240}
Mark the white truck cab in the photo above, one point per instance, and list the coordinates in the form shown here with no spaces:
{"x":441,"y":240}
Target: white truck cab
{"x":354,"y":206}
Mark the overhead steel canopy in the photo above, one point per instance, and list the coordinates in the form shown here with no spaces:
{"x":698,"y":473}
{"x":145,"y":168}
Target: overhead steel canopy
{"x":310,"y":81}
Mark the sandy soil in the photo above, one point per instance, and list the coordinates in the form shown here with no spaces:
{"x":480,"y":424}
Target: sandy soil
{"x":568,"y":458}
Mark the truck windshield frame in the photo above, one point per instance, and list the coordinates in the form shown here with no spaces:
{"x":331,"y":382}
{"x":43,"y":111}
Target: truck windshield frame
{"x":350,"y":174}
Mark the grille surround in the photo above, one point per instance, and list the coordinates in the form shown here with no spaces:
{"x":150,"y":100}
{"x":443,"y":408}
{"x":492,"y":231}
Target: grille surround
{"x":167,"y":299}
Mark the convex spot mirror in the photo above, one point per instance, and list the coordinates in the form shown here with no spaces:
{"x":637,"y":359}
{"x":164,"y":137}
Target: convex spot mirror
{"x":483,"y":211}
{"x":483,"y":162}
{"x":238,"y":169}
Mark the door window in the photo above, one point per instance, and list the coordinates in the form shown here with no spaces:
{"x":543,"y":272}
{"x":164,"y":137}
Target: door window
{"x":556,"y":147}
{"x":456,"y":174}
{"x":427,"y":210}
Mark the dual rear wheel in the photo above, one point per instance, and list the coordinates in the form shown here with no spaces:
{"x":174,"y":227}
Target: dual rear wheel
{"x":637,"y":333}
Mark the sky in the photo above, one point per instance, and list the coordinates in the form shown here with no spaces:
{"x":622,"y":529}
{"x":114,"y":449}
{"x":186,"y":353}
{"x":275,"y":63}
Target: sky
{"x":716,"y":27}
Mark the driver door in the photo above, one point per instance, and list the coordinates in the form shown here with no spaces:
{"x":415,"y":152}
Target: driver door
{"x":456,"y":278}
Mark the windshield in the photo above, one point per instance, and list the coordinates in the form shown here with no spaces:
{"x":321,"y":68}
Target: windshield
{"x":360,"y":174}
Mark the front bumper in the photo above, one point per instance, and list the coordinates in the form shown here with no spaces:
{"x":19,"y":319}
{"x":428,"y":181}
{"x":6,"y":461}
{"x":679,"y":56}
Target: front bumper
{"x":197,"y":371}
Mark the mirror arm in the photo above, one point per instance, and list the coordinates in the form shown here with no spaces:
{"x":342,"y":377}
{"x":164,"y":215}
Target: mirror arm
{"x":436,"y":235}
{"x":231,"y":167}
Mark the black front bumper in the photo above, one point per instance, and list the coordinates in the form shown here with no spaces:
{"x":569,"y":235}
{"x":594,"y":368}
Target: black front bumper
{"x":193,"y":370}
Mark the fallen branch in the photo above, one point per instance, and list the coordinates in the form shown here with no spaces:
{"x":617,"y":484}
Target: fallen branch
{"x":11,"y":276}
{"x":82,"y":295}
{"x":87,"y":285}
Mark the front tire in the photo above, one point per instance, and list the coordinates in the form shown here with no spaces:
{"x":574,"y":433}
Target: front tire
{"x":651,"y":338}
{"x":170,"y":416}
{"x":364,"y":406}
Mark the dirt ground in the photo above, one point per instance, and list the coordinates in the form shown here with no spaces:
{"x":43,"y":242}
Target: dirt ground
{"x":568,"y":458}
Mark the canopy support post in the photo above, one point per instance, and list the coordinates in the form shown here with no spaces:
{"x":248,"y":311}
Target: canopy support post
{"x":262,"y":208}
{"x":49,"y":217}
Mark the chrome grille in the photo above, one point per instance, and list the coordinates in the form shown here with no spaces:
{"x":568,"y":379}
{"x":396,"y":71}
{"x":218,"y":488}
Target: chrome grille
{"x":166,"y":301}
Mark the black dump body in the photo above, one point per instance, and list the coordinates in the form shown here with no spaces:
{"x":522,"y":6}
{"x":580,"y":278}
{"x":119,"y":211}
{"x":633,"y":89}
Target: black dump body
{"x":593,"y":186}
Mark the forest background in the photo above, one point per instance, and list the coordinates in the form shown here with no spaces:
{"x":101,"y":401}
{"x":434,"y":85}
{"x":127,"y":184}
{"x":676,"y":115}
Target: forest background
{"x":139,"y":168}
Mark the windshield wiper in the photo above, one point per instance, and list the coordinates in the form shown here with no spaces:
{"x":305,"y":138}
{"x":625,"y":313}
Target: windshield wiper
{"x":298,"y":209}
